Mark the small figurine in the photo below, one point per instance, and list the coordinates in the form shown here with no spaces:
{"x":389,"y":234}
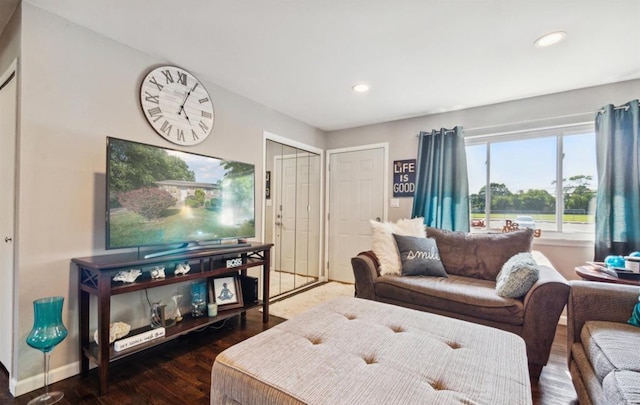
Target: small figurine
{"x":182,"y":269}
{"x":127,"y":276}
{"x":176,"y":300}
{"x":157,"y":272}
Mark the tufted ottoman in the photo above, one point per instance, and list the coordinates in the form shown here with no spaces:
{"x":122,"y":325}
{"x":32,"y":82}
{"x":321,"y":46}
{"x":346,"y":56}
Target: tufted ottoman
{"x":355,"y":351}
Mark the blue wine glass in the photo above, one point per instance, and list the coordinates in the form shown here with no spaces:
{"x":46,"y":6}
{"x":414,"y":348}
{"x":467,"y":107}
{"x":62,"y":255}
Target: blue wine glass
{"x":48,"y":330}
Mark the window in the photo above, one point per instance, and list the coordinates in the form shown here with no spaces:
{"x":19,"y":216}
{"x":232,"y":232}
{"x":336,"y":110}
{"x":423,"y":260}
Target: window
{"x":540,"y":179}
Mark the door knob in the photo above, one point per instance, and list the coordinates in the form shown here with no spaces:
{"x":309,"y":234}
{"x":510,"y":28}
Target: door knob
{"x":7,"y":239}
{"x":378,"y":219}
{"x":278,"y":223}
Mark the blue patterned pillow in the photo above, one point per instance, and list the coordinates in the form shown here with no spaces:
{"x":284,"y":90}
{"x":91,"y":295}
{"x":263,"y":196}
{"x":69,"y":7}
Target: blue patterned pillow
{"x":517,"y":276}
{"x":419,"y":256}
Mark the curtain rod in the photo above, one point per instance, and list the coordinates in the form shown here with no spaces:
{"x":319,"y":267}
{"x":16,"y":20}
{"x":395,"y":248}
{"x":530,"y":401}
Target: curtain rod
{"x":524,"y":122}
{"x":617,"y":107}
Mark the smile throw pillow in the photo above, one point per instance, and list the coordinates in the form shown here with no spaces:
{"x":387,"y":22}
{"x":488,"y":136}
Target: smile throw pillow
{"x":419,"y":256}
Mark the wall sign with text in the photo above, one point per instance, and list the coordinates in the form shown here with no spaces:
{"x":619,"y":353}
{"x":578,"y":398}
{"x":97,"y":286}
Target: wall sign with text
{"x":404,"y":178}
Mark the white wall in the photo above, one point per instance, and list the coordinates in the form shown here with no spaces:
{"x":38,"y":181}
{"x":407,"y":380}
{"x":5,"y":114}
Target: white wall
{"x":78,"y":88}
{"x":526,"y":113}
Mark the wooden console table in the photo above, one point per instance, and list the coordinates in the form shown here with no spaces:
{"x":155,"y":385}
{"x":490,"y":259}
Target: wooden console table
{"x":95,"y":278}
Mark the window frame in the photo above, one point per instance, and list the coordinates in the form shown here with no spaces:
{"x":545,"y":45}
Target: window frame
{"x":559,"y":132}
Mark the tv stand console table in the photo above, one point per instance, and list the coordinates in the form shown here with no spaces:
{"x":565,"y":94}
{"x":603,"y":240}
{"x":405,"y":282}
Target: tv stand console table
{"x":95,"y":278}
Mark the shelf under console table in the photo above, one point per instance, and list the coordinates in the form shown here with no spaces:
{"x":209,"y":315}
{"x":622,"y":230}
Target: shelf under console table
{"x":95,"y":278}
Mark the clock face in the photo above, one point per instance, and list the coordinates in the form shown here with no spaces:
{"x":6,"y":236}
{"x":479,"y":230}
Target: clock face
{"x":177,"y":105}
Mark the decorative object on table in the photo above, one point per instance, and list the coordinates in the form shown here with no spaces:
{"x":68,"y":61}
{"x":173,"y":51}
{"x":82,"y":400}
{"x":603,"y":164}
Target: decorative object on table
{"x":632,"y":263}
{"x":227,"y":292}
{"x":182,"y":269}
{"x":117,"y":330}
{"x":177,"y":105}
{"x":614,"y":261}
{"x":235,"y":262}
{"x":198,"y":298}
{"x":510,"y":226}
{"x":139,"y":339}
{"x":177,"y":315}
{"x":48,"y":330}
{"x":626,"y":274}
{"x":157,"y":272}
{"x":212,"y":309}
{"x":158,"y":316}
{"x":127,"y":276}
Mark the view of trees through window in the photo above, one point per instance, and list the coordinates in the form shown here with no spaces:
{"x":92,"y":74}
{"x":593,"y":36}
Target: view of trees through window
{"x":547,"y":182}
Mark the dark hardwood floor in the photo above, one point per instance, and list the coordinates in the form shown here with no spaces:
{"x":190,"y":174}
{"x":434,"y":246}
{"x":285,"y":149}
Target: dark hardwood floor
{"x":179,"y":371}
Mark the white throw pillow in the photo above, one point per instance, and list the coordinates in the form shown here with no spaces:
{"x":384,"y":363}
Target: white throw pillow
{"x":384,"y":245}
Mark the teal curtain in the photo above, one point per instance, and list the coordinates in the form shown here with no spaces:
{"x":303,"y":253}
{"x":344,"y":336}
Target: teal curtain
{"x":618,"y":198}
{"x":442,"y":185}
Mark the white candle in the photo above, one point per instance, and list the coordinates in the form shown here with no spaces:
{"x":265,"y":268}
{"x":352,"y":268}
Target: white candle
{"x":212,"y":309}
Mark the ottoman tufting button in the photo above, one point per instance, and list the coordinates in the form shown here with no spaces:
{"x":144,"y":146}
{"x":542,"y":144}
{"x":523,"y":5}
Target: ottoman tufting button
{"x":314,"y":340}
{"x":396,"y":329}
{"x":438,"y":386}
{"x":369,"y":360}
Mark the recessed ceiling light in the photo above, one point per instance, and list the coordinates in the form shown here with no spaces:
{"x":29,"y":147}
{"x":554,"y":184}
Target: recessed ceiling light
{"x":549,"y":39}
{"x":360,"y":88}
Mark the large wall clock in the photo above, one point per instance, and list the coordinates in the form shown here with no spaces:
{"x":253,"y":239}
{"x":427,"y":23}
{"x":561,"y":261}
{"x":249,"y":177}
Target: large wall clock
{"x":177,"y":105}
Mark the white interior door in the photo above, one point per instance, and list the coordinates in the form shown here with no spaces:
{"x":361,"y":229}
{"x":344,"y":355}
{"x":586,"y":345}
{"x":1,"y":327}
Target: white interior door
{"x":357,"y":185}
{"x":8,"y":102}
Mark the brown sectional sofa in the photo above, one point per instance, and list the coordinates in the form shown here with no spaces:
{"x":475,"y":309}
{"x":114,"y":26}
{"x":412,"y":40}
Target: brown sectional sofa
{"x":603,"y":349}
{"x":472,"y":262}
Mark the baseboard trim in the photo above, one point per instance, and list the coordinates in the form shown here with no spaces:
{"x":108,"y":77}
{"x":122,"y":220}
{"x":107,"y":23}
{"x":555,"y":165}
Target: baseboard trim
{"x":32,"y":383}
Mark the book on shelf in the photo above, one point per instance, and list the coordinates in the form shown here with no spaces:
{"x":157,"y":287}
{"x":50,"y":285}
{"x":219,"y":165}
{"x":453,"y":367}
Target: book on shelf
{"x":138,"y":339}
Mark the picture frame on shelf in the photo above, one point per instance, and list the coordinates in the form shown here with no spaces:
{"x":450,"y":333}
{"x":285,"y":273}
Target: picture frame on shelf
{"x":227,"y":292}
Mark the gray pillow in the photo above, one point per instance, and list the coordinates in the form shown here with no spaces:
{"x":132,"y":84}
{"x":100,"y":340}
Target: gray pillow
{"x":419,"y":256}
{"x":479,"y":255}
{"x":517,"y":276}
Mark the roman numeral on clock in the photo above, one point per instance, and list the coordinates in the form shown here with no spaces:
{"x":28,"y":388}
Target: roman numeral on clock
{"x":182,"y":78}
{"x":154,"y":81}
{"x":195,"y":137}
{"x":151,"y":98}
{"x":204,"y":127}
{"x":166,"y":127}
{"x":167,"y":76}
{"x":203,"y":100}
{"x":180,"y":135}
{"x":206,"y":114}
{"x":155,"y":112}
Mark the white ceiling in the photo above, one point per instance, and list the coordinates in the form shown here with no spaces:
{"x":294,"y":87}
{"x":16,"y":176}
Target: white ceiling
{"x":419,"y":56}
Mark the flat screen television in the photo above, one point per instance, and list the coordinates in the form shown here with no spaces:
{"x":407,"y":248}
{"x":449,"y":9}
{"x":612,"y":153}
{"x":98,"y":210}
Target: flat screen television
{"x":158,"y":196}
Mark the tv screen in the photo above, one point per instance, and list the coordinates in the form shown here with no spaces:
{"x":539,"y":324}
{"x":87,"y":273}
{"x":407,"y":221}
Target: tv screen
{"x":160,"y":196}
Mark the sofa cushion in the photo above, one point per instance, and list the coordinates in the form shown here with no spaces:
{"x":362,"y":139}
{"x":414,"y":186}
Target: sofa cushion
{"x":479,"y":255}
{"x":517,"y":276}
{"x":384,"y":246}
{"x":462,"y":295}
{"x":622,"y":387}
{"x":419,"y":256}
{"x":611,"y":346}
